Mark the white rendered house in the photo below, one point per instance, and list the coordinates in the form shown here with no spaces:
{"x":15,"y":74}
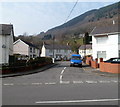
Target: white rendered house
{"x":85,"y":50}
{"x":58,"y":51}
{"x":106,"y":42}
{"x":6,"y":42}
{"x":25,"y":48}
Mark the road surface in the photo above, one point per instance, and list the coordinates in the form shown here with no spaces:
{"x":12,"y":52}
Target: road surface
{"x":61,"y":85}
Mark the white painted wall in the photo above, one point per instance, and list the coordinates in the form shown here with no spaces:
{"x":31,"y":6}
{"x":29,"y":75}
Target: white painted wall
{"x":21,"y":48}
{"x":5,"y":51}
{"x":110,"y":46}
{"x":48,"y":53}
{"x":88,"y":52}
{"x":11,"y":44}
{"x":1,"y":51}
{"x":43,"y":52}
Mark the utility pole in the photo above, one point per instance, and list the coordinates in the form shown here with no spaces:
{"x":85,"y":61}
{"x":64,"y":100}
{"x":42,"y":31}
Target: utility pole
{"x":86,"y":41}
{"x":53,"y":37}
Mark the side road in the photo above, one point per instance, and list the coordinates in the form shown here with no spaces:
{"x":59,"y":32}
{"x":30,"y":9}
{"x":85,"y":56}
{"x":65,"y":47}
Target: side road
{"x":28,"y":72}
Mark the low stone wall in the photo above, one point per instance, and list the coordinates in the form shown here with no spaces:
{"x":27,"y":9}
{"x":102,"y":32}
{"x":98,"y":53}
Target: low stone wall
{"x":109,"y":67}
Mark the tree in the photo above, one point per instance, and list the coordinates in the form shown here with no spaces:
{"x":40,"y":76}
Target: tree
{"x":86,"y":38}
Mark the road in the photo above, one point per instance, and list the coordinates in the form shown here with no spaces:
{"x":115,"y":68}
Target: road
{"x":61,"y":85}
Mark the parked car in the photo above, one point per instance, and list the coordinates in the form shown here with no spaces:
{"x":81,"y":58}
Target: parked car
{"x":76,"y":60}
{"x":113,"y":60}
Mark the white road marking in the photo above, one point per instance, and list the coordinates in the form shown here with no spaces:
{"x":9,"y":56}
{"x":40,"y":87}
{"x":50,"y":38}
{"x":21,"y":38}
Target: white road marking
{"x":62,"y":72}
{"x":36,"y":83}
{"x":61,"y":77}
{"x":114,"y":81}
{"x":64,"y":82}
{"x":77,"y":82}
{"x":104,"y":81}
{"x":75,"y":101}
{"x":9,"y":84}
{"x":51,"y":83}
{"x":91,"y":82}
{"x":64,"y":68}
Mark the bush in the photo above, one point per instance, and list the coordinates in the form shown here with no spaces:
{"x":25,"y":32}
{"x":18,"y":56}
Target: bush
{"x":39,"y":60}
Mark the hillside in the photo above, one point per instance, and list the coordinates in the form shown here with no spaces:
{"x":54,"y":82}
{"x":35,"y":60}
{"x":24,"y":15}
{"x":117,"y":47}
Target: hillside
{"x":71,"y":30}
{"x":87,"y":21}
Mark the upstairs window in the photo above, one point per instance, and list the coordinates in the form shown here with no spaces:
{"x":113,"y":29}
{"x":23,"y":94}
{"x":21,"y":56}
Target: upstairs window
{"x":101,"y":40}
{"x":33,"y":50}
{"x":30,"y":49}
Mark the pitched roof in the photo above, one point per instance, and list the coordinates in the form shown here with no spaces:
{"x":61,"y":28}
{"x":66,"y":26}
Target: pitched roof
{"x":106,"y":30}
{"x":88,"y":46}
{"x":5,"y":29}
{"x":56,"y":46}
{"x":30,"y":44}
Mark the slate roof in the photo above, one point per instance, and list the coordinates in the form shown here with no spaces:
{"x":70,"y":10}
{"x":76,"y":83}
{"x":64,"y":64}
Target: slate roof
{"x":30,"y":44}
{"x":106,"y":30}
{"x":88,"y":46}
{"x":56,"y":46}
{"x":5,"y":29}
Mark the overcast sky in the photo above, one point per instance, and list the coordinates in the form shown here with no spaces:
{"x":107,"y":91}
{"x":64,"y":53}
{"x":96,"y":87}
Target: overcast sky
{"x":35,"y":17}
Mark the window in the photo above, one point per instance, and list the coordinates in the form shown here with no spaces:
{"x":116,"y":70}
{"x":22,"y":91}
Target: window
{"x":30,"y":49}
{"x":30,"y":56}
{"x":33,"y":50}
{"x":101,"y":54}
{"x":101,"y":40}
{"x":58,"y":51}
{"x":50,"y":51}
{"x":65,"y":51}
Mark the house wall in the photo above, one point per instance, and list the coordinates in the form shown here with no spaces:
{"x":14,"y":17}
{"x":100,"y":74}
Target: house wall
{"x":110,"y":46}
{"x":1,"y":49}
{"x":88,"y":52}
{"x":34,"y":53}
{"x":11,"y":44}
{"x":49,"y":53}
{"x":43,"y":52}
{"x":21,"y":48}
{"x":4,"y":55}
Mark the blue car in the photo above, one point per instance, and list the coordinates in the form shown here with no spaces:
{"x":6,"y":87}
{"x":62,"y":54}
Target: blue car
{"x":76,"y":60}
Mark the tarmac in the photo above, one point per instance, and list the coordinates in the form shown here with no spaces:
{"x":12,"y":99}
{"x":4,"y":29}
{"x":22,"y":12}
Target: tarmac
{"x":85,"y":67}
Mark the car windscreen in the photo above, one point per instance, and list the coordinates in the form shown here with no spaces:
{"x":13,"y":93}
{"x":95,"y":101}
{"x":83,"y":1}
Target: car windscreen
{"x":76,"y":58}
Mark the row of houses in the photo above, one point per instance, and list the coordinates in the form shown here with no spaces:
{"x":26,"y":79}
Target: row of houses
{"x":105,"y":44}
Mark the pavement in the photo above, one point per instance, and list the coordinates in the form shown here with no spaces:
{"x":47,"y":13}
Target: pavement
{"x":87,"y":68}
{"x":28,"y":72}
